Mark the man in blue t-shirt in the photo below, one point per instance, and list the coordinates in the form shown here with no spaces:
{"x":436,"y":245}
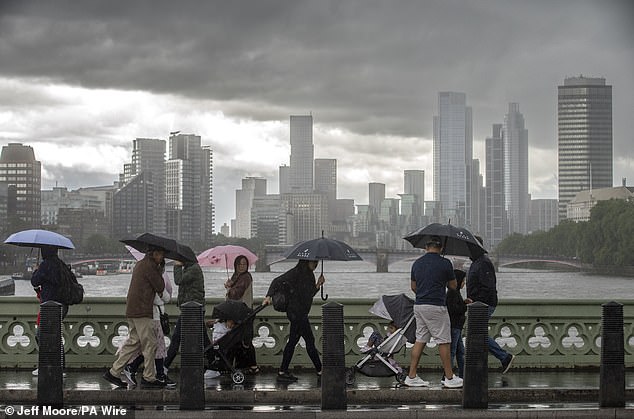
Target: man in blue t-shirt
{"x":431,"y":275}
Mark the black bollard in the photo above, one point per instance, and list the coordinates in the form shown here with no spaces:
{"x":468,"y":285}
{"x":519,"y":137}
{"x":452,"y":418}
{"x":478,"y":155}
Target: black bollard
{"x":475,"y":391}
{"x":50,"y":384}
{"x":192,"y":386}
{"x":612,"y":382}
{"x":333,"y":377}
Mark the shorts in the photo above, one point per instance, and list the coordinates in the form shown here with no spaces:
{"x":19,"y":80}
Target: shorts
{"x":432,"y":321}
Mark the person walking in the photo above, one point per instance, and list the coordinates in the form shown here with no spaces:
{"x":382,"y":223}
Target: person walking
{"x":130,"y":370}
{"x":457,"y":309}
{"x":240,"y":287}
{"x":299,"y":283}
{"x":46,"y":281}
{"x":191,"y":287}
{"x":431,"y":275}
{"x":482,"y":286}
{"x":147,"y":281}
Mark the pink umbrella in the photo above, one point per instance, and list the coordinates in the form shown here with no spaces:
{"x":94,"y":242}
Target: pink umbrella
{"x":138,"y":256}
{"x":224,"y":256}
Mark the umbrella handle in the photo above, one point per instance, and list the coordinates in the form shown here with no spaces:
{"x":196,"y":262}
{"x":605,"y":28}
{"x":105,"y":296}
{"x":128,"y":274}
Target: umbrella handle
{"x":322,"y":272}
{"x":322,"y":294}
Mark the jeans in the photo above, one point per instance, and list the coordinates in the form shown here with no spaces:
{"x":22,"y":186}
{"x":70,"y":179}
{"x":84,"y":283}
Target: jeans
{"x":300,"y":328}
{"x":457,"y":350}
{"x":494,"y":348}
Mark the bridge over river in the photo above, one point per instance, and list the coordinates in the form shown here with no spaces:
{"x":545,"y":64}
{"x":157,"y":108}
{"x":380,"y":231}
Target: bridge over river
{"x":382,"y":258}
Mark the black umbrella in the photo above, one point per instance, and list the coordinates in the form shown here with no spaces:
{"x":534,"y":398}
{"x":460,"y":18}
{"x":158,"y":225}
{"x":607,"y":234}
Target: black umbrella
{"x":398,"y":308}
{"x":456,"y":241}
{"x":231,"y":310}
{"x":173,"y":249}
{"x":321,"y":249}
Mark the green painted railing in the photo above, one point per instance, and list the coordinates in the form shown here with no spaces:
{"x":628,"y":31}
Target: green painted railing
{"x":542,"y":333}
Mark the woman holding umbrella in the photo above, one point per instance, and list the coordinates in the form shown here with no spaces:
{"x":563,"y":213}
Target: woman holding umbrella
{"x":240,"y":287}
{"x":299,"y":283}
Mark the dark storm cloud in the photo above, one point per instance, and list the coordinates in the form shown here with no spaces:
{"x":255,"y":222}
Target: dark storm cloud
{"x":370,"y":67}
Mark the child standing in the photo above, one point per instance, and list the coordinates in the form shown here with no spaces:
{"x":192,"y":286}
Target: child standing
{"x":457,"y":309}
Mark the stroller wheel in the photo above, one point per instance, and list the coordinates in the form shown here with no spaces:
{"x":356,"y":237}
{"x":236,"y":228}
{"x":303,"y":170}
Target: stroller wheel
{"x":237,"y":377}
{"x":350,"y":378}
{"x":400,"y":377}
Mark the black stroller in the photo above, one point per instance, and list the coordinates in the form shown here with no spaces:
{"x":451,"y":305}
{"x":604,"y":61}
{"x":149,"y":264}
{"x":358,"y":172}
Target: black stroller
{"x":376,"y":362}
{"x":219,"y":353}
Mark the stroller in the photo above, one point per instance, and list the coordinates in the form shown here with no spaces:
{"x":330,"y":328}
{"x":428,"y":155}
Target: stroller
{"x":219,"y":353}
{"x":376,"y":362}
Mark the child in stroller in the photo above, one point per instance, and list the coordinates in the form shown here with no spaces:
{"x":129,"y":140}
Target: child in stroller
{"x":234,"y":318}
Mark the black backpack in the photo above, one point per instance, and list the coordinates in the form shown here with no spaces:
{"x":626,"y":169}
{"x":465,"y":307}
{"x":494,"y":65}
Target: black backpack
{"x":69,"y":291}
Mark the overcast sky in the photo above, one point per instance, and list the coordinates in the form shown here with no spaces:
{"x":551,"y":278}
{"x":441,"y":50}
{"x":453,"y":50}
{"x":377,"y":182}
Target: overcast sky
{"x":79,"y":80}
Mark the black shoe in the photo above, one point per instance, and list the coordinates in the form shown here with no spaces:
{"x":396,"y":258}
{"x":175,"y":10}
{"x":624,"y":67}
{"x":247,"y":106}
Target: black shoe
{"x":114,"y":380}
{"x":169,"y":383}
{"x":286,"y":377}
{"x":130,"y":375}
{"x":506,"y":364}
{"x":152,"y":384}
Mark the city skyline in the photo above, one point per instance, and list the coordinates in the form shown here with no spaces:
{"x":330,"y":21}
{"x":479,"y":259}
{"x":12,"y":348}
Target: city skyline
{"x":79,"y":85}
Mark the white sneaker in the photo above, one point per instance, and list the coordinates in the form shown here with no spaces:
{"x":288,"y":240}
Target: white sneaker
{"x":454,"y":382}
{"x":415,"y":382}
{"x":212,"y":374}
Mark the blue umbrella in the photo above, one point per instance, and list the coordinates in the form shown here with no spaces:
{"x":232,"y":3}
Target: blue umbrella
{"x":39,"y":238}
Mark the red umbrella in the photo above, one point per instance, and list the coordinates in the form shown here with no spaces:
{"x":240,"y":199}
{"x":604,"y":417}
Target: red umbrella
{"x":224,"y":256}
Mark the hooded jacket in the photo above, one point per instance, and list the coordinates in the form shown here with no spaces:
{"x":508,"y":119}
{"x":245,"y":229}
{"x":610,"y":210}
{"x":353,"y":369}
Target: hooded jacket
{"x":299,"y":282}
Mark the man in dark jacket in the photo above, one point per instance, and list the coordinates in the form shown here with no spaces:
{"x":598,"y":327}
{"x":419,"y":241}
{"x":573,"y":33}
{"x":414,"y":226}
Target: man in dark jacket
{"x":191,"y":287}
{"x":147,"y":280}
{"x":300,"y":285}
{"x":482,"y":286}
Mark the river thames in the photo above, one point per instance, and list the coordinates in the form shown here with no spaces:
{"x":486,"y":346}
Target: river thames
{"x":358,"y":280}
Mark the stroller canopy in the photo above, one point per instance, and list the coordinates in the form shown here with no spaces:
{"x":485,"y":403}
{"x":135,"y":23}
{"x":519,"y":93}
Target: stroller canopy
{"x":398,"y":308}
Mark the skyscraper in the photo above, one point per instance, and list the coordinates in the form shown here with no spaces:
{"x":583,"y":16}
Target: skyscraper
{"x":326,"y":182}
{"x":585,"y":137}
{"x":414,"y":184}
{"x":187,"y":191}
{"x":495,"y":224}
{"x":453,"y":150}
{"x":515,"y":138}
{"x":251,"y":187}
{"x":376,"y":195}
{"x":21,"y":175}
{"x":148,"y":155}
{"x":302,"y":154}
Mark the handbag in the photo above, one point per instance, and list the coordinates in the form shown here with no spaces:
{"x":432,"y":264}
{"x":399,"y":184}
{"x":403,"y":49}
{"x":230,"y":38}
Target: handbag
{"x":165,"y":321}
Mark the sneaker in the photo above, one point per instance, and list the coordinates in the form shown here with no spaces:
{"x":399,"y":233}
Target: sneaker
{"x":35,"y":372}
{"x":506,"y":364}
{"x":286,"y":377}
{"x":415,"y":382}
{"x":152,"y":384}
{"x":130,"y":375}
{"x":454,"y":382}
{"x":114,"y":380}
{"x":169,"y":383}
{"x":212,"y":374}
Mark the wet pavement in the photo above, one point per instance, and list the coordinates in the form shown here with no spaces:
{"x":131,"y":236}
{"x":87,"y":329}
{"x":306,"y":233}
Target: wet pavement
{"x":536,"y":393}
